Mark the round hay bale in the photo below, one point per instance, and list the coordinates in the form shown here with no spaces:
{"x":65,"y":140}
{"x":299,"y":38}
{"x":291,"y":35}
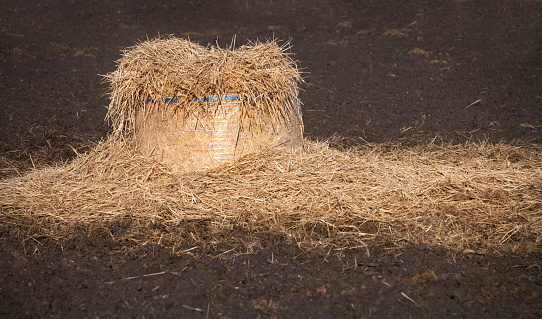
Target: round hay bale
{"x":195,"y":108}
{"x":195,"y":142}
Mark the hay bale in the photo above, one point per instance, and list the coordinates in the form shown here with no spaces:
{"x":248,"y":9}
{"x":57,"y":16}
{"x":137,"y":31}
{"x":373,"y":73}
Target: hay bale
{"x":195,"y":108}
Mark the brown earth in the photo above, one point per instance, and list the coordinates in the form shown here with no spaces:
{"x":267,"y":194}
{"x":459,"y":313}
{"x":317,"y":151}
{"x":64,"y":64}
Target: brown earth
{"x":397,"y":72}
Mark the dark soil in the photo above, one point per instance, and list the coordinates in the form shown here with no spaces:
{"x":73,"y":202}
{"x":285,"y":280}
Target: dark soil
{"x":387,"y":71}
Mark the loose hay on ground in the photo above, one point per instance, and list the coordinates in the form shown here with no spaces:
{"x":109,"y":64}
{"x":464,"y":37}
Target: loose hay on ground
{"x":456,"y":196}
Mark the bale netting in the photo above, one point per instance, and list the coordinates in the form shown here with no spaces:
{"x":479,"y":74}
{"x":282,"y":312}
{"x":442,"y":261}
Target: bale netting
{"x":195,"y":107}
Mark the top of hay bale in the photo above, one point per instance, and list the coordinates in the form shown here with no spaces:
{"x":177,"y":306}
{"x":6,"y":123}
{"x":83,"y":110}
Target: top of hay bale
{"x":161,"y":75}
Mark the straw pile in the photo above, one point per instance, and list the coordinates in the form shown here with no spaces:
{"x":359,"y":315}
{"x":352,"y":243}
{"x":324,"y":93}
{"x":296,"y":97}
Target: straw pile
{"x":194,"y":107}
{"x":463,"y":197}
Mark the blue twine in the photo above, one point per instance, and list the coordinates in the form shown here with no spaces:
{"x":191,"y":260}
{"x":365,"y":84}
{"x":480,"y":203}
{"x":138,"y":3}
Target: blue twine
{"x":225,"y":98}
{"x":206,"y":99}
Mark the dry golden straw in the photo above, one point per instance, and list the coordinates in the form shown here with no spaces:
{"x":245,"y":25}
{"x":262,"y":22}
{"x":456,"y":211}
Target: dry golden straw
{"x":469,"y":196}
{"x":262,"y":75}
{"x":464,"y":197}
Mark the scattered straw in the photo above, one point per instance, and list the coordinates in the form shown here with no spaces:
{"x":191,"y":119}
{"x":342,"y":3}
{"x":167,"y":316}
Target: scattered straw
{"x":455,"y":196}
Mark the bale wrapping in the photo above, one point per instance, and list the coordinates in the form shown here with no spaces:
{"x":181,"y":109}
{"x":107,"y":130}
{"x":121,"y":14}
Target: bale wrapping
{"x":195,"y":108}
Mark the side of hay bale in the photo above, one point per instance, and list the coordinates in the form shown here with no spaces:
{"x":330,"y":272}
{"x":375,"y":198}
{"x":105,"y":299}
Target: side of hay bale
{"x":194,"y":143}
{"x":196,"y":108}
